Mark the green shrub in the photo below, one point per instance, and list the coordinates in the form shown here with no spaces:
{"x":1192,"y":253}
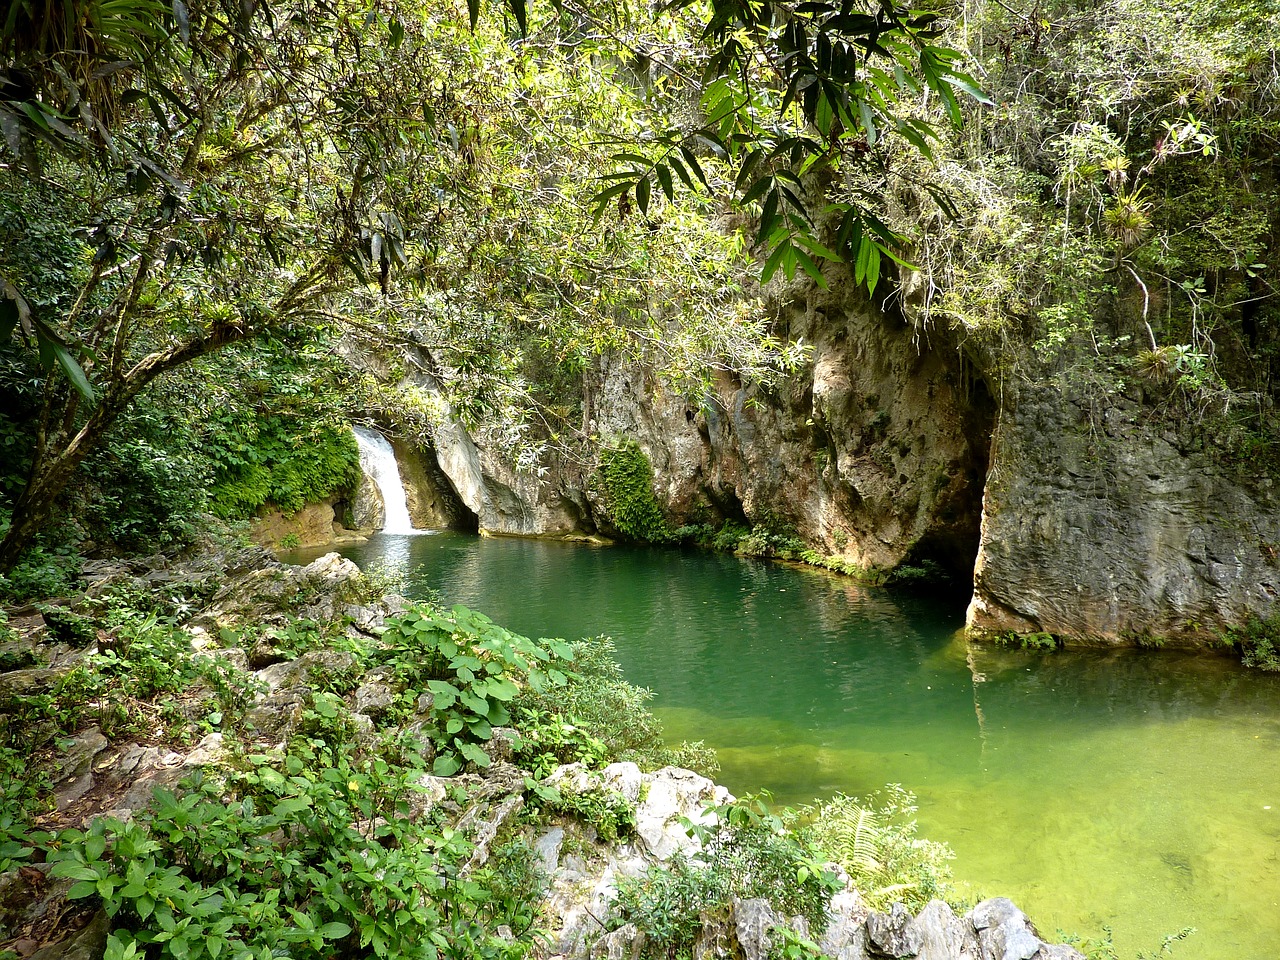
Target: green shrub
{"x":875,"y":840}
{"x":472,"y":669}
{"x":279,"y":460}
{"x":312,"y":854}
{"x":1039,"y":640}
{"x":627,"y":478}
{"x":753,"y":854}
{"x":1257,"y":641}
{"x":603,"y":707}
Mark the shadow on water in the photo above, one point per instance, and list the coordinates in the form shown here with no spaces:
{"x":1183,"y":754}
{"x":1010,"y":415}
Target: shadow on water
{"x":1136,"y":790}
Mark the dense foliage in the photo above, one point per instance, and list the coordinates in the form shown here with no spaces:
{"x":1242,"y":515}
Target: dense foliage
{"x":321,"y":846}
{"x":1115,"y":214}
{"x":198,"y":176}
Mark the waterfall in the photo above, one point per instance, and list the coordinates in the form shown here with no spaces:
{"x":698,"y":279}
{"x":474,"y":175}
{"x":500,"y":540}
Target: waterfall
{"x":378,"y":460}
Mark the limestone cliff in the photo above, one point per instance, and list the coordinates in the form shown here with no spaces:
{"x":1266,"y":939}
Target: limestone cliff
{"x":1098,"y":519}
{"x":1114,"y":524}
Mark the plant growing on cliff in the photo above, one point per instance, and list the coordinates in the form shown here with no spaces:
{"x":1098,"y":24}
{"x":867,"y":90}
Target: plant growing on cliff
{"x":626,"y":477}
{"x":1257,"y":641}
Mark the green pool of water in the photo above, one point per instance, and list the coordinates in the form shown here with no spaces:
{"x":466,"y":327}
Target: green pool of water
{"x":1134,"y":790}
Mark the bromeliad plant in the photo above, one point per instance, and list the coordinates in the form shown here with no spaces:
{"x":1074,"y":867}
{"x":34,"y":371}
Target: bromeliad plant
{"x":472,"y":669}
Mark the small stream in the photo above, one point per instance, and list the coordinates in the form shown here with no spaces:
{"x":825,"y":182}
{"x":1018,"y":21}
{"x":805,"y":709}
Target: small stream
{"x":1134,"y":790}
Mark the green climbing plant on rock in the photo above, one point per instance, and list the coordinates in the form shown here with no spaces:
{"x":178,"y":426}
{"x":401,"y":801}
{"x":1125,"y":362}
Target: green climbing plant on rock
{"x":627,"y":479}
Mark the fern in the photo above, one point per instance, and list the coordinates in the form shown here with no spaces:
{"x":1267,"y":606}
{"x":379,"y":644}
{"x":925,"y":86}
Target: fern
{"x":874,"y":840}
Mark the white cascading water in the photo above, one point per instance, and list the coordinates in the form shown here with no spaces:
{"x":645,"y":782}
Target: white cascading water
{"x":378,"y":460}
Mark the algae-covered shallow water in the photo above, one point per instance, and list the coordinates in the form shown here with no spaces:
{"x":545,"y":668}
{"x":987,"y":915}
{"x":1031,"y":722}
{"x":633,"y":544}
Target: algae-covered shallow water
{"x":1135,"y":790}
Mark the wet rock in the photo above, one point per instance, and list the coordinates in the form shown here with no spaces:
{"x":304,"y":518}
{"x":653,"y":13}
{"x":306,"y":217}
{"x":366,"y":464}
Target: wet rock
{"x":17,"y":685}
{"x":892,"y":934}
{"x":73,"y":771}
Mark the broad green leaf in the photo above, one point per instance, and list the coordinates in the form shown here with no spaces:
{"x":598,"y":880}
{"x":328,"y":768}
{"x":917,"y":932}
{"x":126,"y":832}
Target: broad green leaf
{"x":446,"y":765}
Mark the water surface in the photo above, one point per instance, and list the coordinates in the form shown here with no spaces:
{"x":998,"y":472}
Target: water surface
{"x":1135,"y":790}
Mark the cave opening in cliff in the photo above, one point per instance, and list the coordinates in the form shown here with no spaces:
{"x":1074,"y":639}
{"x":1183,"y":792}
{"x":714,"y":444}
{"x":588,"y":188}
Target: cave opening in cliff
{"x":952,"y":542}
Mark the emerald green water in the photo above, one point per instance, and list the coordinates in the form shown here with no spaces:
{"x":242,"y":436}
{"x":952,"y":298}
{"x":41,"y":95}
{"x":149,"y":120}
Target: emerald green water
{"x":1139,"y":791}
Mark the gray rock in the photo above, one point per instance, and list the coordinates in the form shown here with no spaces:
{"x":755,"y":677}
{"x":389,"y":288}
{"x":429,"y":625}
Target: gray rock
{"x":73,"y":770}
{"x":275,"y":716}
{"x":315,"y":668}
{"x":942,"y":935}
{"x":501,"y":746}
{"x":547,"y":849}
{"x":17,"y":685}
{"x":846,"y":935}
{"x":753,"y":920}
{"x":893,"y":934}
{"x":625,"y":943}
{"x":1105,"y":524}
{"x":1005,"y":933}
{"x":90,"y":943}
{"x":18,"y":655}
{"x":374,"y":697}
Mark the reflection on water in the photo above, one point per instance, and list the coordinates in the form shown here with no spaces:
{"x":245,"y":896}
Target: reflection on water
{"x":1134,"y":790}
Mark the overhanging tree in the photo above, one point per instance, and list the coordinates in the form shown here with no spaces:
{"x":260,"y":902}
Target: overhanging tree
{"x":230,"y":172}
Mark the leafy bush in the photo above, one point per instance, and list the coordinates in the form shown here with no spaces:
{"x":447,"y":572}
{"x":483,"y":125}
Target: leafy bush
{"x":279,"y":460}
{"x":132,"y":686}
{"x":754,"y":853}
{"x":44,"y":571}
{"x":472,"y":669}
{"x":627,"y":478}
{"x":602,"y":706}
{"x":1258,"y":642}
{"x":311,"y":854}
{"x":875,"y":840}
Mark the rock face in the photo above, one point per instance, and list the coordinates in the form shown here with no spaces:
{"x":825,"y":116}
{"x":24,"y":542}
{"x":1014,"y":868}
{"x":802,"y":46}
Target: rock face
{"x":875,"y":451}
{"x":1103,"y":526}
{"x":1088,"y":518}
{"x":315,"y":525}
{"x":431,"y":500}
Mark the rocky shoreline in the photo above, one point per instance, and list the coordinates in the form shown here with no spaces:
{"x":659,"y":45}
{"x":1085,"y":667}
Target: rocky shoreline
{"x":92,"y":776}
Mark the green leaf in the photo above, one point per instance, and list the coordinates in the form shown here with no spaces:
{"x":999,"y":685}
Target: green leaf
{"x":522,"y":16}
{"x":74,"y":870}
{"x":473,"y":753}
{"x":446,"y":765}
{"x":775,"y":260}
{"x":642,"y":194}
{"x":663,"y":173}
{"x":473,"y":9}
{"x":500,"y":688}
{"x":85,"y":888}
{"x":72,"y":369}
{"x":334,"y":930}
{"x":94,"y":846}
